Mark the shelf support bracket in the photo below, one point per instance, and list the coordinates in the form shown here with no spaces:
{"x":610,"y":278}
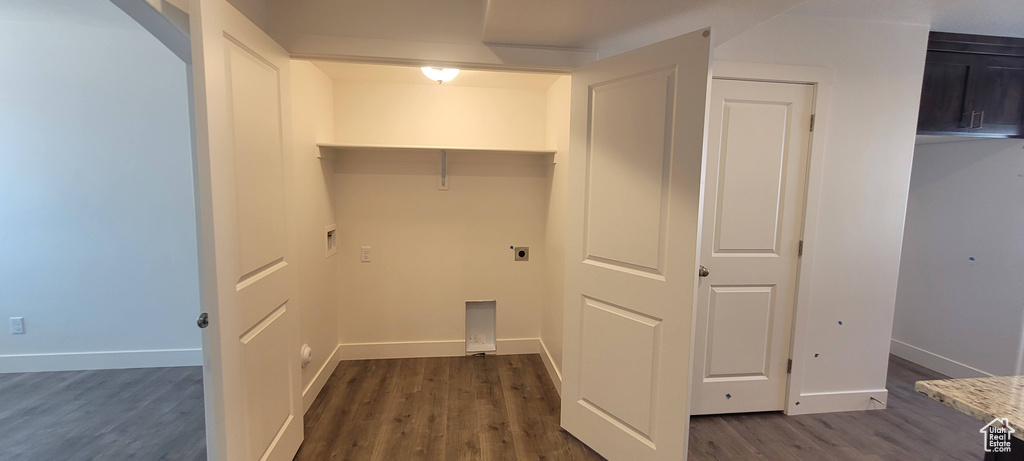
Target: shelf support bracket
{"x":444,"y":170}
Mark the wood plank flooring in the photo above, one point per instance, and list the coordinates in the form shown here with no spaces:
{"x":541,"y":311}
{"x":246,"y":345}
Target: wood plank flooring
{"x":143,"y":414}
{"x":505,"y":408}
{"x":450,"y":408}
{"x":502,"y":408}
{"x":912,"y":427}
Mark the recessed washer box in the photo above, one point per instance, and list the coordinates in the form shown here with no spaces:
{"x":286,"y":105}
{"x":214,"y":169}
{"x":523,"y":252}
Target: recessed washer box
{"x":331,"y":239}
{"x":481,"y":326}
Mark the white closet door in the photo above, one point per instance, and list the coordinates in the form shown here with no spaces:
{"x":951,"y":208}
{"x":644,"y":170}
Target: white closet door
{"x":758,"y":142}
{"x":637,"y":137}
{"x":251,"y":367}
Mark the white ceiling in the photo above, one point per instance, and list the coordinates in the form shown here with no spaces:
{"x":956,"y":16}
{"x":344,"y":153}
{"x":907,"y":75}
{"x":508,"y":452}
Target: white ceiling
{"x":574,"y":24}
{"x":607,"y":24}
{"x":984,"y":17}
{"x":440,"y":21}
{"x":413,"y":75}
{"x":588,"y":23}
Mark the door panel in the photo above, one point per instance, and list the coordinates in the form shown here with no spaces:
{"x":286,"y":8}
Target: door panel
{"x":254,"y":101}
{"x":620,"y":339}
{"x":251,"y":368}
{"x":739,"y":332}
{"x":750,"y":184}
{"x":637,"y":138}
{"x":629,"y":151}
{"x":267,"y":382}
{"x":758,"y":142}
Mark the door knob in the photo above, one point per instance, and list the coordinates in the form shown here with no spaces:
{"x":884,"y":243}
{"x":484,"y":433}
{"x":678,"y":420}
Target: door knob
{"x":703,"y":271}
{"x":204,"y":320}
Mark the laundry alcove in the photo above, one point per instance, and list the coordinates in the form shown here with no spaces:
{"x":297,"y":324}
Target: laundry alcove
{"x":441,"y":182}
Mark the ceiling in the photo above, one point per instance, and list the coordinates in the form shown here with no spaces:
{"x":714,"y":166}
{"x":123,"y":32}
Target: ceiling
{"x":983,"y":17}
{"x":412,"y":75}
{"x":441,"y":21}
{"x":589,"y":23}
{"x":574,"y":24}
{"x":600,"y":24}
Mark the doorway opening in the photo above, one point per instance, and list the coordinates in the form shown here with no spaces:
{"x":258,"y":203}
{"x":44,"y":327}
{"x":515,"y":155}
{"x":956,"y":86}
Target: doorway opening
{"x":103,"y":357}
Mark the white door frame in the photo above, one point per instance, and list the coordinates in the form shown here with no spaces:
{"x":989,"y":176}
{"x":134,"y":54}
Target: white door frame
{"x":821,"y":78}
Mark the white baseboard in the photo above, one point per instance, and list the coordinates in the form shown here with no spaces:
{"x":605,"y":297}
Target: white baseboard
{"x":936,"y":362}
{"x":518,"y":346}
{"x":549,"y":363}
{"x":414,"y":349}
{"x":317,"y":384}
{"x":828,"y":402}
{"x":106,"y":360}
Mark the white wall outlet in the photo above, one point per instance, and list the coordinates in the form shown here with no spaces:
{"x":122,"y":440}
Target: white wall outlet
{"x":17,"y":325}
{"x":364,"y":254}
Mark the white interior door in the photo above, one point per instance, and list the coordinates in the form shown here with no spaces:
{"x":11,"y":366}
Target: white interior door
{"x":251,"y":369}
{"x":758,"y":141}
{"x":637,"y":137}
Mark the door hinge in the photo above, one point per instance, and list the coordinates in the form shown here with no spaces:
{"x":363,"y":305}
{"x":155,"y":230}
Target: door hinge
{"x":789,"y":366}
{"x":800,"y":249}
{"x":812,"y":122}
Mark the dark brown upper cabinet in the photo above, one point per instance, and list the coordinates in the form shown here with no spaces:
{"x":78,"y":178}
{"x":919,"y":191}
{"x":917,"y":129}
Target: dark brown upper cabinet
{"x":973,"y":86}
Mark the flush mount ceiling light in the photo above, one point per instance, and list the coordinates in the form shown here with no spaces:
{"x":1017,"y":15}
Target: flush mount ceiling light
{"x":440,"y":74}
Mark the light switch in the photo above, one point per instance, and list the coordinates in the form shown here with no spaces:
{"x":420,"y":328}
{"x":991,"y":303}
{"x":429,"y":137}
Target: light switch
{"x":364,"y":254}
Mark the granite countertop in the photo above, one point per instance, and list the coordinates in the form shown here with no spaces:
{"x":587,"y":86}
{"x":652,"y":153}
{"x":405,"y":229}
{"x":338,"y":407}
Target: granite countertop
{"x":982,"y":398}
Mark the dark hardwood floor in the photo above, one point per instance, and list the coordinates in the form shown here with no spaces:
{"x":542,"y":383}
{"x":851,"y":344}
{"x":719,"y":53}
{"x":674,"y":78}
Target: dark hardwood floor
{"x":912,"y":427}
{"x":456,"y":408}
{"x":452,"y":408}
{"x":505,"y":407}
{"x":143,"y":414}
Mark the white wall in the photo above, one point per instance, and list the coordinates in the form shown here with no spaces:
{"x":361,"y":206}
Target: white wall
{"x":432,"y":114}
{"x":434,"y":250}
{"x":863,"y":198}
{"x":312,"y":211}
{"x":97,"y":221}
{"x":554,"y":229}
{"x":960,"y":304}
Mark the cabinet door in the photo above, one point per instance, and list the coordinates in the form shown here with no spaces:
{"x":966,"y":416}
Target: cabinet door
{"x":944,"y":93}
{"x":996,"y":95}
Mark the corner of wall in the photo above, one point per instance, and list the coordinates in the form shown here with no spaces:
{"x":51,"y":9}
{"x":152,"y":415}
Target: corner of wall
{"x":554,"y":231}
{"x":315,"y":385}
{"x":312,"y":210}
{"x":554,"y":371}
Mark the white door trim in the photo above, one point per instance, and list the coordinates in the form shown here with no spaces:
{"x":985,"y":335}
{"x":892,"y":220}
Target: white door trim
{"x":822,"y":79}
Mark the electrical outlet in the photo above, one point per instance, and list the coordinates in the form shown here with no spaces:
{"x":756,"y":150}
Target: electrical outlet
{"x":17,"y":325}
{"x":364,"y":254}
